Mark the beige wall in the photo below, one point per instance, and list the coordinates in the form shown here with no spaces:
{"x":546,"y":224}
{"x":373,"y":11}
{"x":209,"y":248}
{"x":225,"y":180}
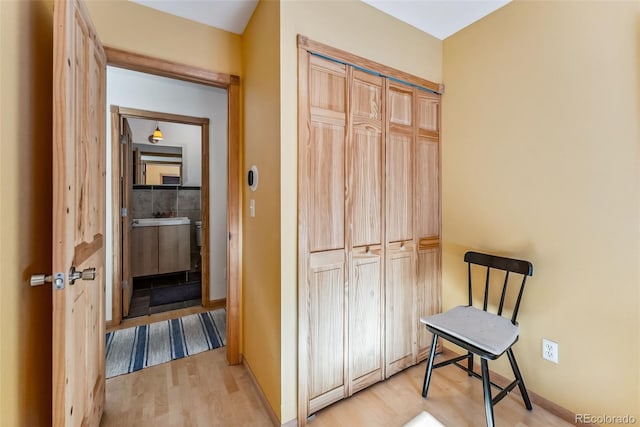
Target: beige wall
{"x":130,"y":26}
{"x":26,"y":42}
{"x":261,"y":234}
{"x":540,"y":161}
{"x":359,"y":29}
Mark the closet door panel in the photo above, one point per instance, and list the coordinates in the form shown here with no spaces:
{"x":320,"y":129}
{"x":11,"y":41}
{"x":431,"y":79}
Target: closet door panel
{"x":327,"y":103}
{"x":428,"y":292}
{"x":326,"y":334}
{"x":400,"y":106}
{"x":428,"y":114}
{"x":400,"y":147}
{"x":327,"y":85}
{"x":399,"y":188}
{"x":365,"y":317}
{"x":366,"y":186}
{"x":427,"y":165}
{"x":427,"y":191}
{"x":326,"y":203}
{"x":400,"y":306}
{"x":366,"y":157}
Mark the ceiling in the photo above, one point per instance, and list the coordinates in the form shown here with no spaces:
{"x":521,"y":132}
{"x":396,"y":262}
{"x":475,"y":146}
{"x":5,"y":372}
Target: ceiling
{"x":439,"y":18}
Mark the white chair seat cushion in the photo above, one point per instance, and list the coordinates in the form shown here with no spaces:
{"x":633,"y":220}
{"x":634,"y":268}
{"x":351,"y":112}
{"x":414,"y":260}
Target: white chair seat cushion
{"x":486,"y":331}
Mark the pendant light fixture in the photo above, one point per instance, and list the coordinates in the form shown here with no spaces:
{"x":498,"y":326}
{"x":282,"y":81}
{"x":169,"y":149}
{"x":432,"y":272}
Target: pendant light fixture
{"x":157,"y":135}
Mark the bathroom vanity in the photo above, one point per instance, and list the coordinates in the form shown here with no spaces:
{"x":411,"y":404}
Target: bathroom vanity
{"x":160,"y":245}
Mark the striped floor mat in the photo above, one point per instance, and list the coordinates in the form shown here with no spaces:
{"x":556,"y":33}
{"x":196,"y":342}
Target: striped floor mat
{"x":132,"y":349}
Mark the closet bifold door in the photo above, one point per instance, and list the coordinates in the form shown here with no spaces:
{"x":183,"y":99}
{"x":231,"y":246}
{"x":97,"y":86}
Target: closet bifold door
{"x":364,"y":199}
{"x":427,"y":212}
{"x":322,"y":180}
{"x":369,"y":249}
{"x":400,"y":265}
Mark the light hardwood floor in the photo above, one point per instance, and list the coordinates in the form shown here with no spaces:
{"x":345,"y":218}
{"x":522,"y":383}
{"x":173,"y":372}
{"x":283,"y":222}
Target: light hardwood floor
{"x":202,"y":390}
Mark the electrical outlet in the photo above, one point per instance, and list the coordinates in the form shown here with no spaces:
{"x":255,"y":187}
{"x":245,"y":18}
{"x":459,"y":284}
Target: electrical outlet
{"x":550,"y":350}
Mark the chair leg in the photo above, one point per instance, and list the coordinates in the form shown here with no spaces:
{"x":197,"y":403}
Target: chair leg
{"x":486,"y":385}
{"x":518,"y":375}
{"x":427,"y":374}
{"x":470,"y":363}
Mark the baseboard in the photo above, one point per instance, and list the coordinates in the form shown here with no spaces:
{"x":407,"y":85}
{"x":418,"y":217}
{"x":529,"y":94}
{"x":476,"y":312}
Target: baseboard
{"x":291,"y":423}
{"x":272,"y":415}
{"x":536,"y":399}
{"x":216,"y":303}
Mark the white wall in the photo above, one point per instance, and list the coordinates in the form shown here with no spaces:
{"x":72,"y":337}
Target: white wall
{"x":175,"y":135}
{"x":132,"y":89}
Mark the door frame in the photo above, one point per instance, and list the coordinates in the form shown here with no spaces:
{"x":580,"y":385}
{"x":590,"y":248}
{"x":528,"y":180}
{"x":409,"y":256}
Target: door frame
{"x":117,"y":114}
{"x":138,"y":62}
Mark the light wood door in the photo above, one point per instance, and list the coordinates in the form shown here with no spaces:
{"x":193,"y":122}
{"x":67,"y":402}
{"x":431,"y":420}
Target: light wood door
{"x":126,"y":180}
{"x":78,"y":216}
{"x":427,"y":213}
{"x":369,"y":224}
{"x":400,"y":292}
{"x":323,"y":366}
{"x":323,"y":308}
{"x":364,"y":198}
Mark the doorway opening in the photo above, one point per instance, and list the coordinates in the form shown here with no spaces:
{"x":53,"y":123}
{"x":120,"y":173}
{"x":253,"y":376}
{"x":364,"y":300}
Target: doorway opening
{"x":164,"y":197}
{"x":231,"y":230}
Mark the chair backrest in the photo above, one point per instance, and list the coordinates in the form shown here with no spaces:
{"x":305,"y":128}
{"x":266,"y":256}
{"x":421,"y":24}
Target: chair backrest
{"x":508,"y":265}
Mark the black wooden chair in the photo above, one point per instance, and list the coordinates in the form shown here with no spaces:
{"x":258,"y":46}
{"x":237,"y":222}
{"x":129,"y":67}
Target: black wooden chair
{"x":482,"y":333}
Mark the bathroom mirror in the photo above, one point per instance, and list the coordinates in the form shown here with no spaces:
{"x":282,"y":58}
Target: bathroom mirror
{"x":157,"y":165}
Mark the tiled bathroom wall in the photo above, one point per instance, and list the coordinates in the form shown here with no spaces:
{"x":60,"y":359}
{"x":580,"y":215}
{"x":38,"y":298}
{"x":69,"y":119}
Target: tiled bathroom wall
{"x":151,"y":201}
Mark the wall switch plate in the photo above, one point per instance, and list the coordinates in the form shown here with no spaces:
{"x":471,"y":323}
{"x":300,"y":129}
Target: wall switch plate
{"x":550,"y":350}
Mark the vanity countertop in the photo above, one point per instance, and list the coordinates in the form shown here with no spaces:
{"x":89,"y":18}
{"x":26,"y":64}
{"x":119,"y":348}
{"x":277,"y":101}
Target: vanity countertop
{"x":155,"y":222}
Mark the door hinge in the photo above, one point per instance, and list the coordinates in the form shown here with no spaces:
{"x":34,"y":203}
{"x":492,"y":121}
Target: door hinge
{"x":123,"y":212}
{"x":229,"y":236}
{"x":123,"y":140}
{"x":125,"y":285}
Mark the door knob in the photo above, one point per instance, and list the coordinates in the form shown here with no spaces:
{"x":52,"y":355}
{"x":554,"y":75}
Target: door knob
{"x":41,"y":279}
{"x":86,"y":274}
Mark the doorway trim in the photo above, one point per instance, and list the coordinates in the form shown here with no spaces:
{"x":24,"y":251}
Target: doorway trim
{"x":137,"y":62}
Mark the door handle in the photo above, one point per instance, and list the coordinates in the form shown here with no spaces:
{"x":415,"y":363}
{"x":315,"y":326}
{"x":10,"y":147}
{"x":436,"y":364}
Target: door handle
{"x":58,"y":278}
{"x":41,"y":279}
{"x":86,"y":274}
